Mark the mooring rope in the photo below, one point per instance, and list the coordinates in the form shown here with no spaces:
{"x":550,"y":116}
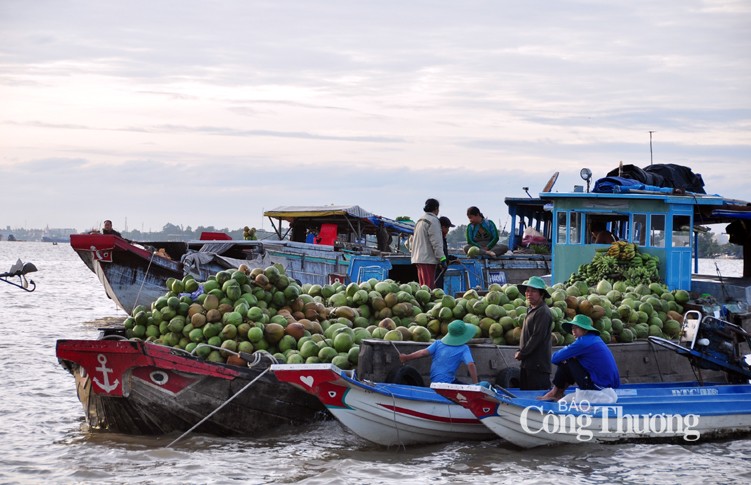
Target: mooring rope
{"x":393,"y":402}
{"x":138,"y":295}
{"x":657,"y":360}
{"x":219,"y":408}
{"x":396,"y":423}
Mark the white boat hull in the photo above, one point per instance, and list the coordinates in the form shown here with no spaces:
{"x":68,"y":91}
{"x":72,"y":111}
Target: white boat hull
{"x":400,"y":417}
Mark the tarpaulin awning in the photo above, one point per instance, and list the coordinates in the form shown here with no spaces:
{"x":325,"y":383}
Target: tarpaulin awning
{"x":329,"y":212}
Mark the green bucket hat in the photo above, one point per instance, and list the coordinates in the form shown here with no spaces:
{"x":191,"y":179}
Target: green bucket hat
{"x":459,"y":333}
{"x":581,"y":321}
{"x":537,"y":283}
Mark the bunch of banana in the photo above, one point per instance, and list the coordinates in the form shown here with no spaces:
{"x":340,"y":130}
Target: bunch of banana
{"x":650,"y":262}
{"x":622,"y":250}
{"x":636,"y":275}
{"x":605,"y":264}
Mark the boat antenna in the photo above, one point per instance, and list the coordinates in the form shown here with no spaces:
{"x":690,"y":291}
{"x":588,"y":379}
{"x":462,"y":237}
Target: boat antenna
{"x":650,"y":146}
{"x":526,"y":189}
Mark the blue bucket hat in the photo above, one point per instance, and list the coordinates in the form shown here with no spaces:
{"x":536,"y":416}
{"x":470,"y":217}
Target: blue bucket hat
{"x":459,"y":333}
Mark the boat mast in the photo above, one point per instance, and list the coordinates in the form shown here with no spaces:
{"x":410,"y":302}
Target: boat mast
{"x":650,"y":146}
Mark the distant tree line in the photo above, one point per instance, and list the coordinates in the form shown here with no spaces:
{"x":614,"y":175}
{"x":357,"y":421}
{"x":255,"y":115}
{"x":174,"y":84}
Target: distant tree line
{"x":173,"y":232}
{"x":710,"y":248}
{"x":456,"y":238}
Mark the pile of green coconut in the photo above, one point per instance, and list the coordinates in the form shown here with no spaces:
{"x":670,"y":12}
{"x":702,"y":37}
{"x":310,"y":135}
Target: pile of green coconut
{"x":263,"y":310}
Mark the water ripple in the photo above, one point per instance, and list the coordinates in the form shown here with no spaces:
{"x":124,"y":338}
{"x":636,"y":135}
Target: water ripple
{"x":43,"y":436}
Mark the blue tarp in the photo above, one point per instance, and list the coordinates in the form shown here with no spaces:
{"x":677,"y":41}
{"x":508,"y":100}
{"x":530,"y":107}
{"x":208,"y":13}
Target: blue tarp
{"x":392,"y":224}
{"x":620,"y":185}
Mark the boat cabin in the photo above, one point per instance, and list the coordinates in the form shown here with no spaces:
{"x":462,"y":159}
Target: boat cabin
{"x":346,"y":227}
{"x":661,"y":224}
{"x":528,"y":213}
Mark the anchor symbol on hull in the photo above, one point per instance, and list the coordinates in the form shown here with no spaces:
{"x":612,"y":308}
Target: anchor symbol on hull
{"x":100,"y":255}
{"x":106,"y":387}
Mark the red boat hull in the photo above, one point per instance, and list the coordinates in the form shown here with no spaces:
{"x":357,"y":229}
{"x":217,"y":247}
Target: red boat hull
{"x":131,"y":275}
{"x":141,"y":388}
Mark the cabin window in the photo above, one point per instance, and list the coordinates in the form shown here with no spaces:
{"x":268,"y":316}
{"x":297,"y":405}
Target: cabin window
{"x":657,"y":231}
{"x":562,"y":228}
{"x":604,"y":228}
{"x":575,"y":232}
{"x":639,"y":235}
{"x":681,"y":231}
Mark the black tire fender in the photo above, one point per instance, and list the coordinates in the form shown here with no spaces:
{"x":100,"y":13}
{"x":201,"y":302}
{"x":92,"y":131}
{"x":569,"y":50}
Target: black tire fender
{"x":405,"y":375}
{"x":508,"y":377}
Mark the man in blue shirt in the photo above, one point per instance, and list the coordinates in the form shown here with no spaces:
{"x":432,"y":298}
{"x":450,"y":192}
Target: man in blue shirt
{"x":448,"y":353}
{"x":587,"y":362}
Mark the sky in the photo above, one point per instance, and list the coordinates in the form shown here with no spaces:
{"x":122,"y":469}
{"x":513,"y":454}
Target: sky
{"x":207,"y":113}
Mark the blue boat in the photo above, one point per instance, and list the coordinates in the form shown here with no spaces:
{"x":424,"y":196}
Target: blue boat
{"x":687,"y":412}
{"x":642,"y":412}
{"x":323,"y":244}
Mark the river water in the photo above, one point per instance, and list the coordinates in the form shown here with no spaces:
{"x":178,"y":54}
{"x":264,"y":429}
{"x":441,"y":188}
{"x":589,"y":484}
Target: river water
{"x":43,"y":437}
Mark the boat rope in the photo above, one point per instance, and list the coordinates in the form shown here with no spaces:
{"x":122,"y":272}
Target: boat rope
{"x":219,"y":408}
{"x":393,"y":402}
{"x":503,"y":358}
{"x":396,"y":424}
{"x":138,"y":295}
{"x":725,"y":295}
{"x":657,"y":361}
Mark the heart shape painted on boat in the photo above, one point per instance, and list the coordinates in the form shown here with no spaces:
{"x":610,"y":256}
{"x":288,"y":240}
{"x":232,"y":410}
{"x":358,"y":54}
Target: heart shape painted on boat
{"x":307,"y":380}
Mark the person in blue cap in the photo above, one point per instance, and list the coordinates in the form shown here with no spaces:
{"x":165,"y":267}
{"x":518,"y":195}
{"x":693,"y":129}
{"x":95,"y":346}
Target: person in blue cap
{"x":448,"y":353}
{"x":587,"y":362}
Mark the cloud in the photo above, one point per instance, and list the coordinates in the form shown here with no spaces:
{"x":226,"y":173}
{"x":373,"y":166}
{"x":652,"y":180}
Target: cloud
{"x":205,"y":113}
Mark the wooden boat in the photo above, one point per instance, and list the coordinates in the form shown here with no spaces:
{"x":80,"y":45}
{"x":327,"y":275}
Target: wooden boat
{"x":368,"y":246}
{"x":642,"y":412}
{"x":136,"y":387}
{"x":135,"y":274}
{"x":386,"y":414}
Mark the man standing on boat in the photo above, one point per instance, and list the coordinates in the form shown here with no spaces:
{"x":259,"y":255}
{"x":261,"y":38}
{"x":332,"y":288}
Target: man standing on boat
{"x":427,"y":245}
{"x":108,"y":229}
{"x":446,"y":225}
{"x":535,"y":344}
